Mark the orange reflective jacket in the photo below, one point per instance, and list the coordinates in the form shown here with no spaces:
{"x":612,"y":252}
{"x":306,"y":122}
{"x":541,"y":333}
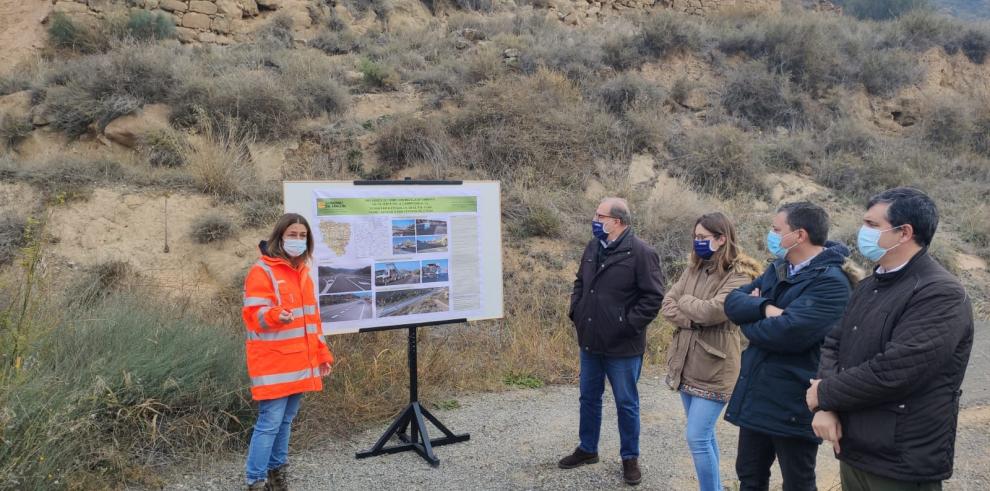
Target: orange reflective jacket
{"x":282,"y":359}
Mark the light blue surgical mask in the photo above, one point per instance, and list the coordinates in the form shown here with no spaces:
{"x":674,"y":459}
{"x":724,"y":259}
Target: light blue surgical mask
{"x":868,"y":243}
{"x":773,"y":244}
{"x":294,"y":247}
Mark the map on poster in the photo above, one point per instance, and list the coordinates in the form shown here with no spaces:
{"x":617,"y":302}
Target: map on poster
{"x":392,"y":255}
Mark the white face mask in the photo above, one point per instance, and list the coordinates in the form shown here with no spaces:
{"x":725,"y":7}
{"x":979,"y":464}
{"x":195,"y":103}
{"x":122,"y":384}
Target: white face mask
{"x":294,"y":247}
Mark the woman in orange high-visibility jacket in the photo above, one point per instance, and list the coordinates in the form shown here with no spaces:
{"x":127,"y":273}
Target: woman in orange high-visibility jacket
{"x":286,"y":353}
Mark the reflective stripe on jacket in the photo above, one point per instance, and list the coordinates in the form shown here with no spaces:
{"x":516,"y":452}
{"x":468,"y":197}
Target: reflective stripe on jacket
{"x":282,"y":359}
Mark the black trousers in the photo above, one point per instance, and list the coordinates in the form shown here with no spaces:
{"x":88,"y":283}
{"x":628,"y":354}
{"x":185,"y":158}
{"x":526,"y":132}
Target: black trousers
{"x":756,"y":454}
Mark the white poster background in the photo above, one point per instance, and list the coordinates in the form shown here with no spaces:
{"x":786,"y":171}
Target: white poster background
{"x":349,"y":299}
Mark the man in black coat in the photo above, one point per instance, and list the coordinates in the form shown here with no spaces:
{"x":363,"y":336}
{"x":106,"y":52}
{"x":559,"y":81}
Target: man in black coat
{"x":890,"y":374}
{"x":617,"y":294}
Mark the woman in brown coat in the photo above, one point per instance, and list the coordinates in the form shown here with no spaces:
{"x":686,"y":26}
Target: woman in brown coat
{"x":703,"y":358}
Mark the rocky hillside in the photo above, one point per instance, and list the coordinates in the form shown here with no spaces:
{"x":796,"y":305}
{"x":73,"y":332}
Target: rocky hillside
{"x":144,"y":143}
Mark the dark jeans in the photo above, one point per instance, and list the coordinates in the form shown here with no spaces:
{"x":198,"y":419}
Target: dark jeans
{"x":854,"y":479}
{"x":756,"y":454}
{"x":622,"y":374}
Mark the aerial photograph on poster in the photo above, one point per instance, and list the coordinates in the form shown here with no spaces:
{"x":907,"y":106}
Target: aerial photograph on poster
{"x":403,"y":245}
{"x":435,"y":271}
{"x":409,"y":302}
{"x":343,"y":280}
{"x":431,"y":227}
{"x":431,"y":243}
{"x":403,"y":228}
{"x":345,"y":307}
{"x":397,"y":273}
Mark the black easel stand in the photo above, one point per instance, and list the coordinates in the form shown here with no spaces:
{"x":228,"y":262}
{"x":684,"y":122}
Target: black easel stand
{"x":410,"y":427}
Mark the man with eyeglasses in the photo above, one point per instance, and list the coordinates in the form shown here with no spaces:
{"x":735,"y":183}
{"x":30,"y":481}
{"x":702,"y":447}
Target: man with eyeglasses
{"x":617,"y":294}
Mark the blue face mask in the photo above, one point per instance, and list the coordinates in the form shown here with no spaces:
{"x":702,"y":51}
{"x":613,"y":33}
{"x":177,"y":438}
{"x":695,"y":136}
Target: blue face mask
{"x":773,"y":244}
{"x":868,"y":243}
{"x":598,"y":230}
{"x":703,"y":248}
{"x":294,"y":247}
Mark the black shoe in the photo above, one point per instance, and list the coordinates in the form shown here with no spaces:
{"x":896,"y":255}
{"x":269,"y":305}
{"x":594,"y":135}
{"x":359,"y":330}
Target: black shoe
{"x":278,"y":479}
{"x":577,"y":459}
{"x":630,"y":472}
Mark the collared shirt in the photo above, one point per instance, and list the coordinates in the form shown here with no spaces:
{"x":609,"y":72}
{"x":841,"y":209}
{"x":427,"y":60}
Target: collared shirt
{"x":880,"y":269}
{"x":792,"y":269}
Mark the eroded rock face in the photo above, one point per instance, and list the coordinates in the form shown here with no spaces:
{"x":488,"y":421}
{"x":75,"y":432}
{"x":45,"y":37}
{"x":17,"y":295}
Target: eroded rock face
{"x":225,"y":21}
{"x":129,"y":130}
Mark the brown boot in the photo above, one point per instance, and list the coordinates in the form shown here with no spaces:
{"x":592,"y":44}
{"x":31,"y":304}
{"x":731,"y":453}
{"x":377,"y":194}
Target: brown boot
{"x":278,"y":479}
{"x":630,"y":472}
{"x":261,"y":485}
{"x":577,"y":459}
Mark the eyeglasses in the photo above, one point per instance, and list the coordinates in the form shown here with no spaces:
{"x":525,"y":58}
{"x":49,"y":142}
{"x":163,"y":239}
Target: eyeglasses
{"x":599,"y":216}
{"x":704,"y":237}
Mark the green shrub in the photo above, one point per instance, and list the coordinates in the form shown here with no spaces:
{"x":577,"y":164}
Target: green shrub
{"x":667,"y":32}
{"x":164,"y":148}
{"x":975,"y":44}
{"x":13,"y":129}
{"x":531,"y":213}
{"x":545,"y":44}
{"x":949,"y":125}
{"x":12,"y":237}
{"x":336,"y":42}
{"x":220,"y":163}
{"x":624,"y":91}
{"x":847,"y":136}
{"x":503,"y":128}
{"x":975,"y":229}
{"x":96,"y":89}
{"x":815,"y":53}
{"x":64,"y":178}
{"x":763,"y":98}
{"x":860,"y":178}
{"x":379,"y":75}
{"x":14,"y":82}
{"x":522,"y":380}
{"x":261,"y":213}
{"x":410,"y":140}
{"x":255,"y":99}
{"x":792,"y":154}
{"x":99,"y":282}
{"x":65,"y":33}
{"x":883,"y":9}
{"x":146,"y":26}
{"x":716,"y":160}
{"x":884,"y":72}
{"x":919,"y":30}
{"x":115,"y":389}
{"x":981,"y":134}
{"x":277,"y":33}
{"x":483,"y":6}
{"x":212,"y":227}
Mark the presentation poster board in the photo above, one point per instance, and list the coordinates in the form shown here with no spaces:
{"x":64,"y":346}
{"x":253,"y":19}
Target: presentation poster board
{"x":399,"y":254}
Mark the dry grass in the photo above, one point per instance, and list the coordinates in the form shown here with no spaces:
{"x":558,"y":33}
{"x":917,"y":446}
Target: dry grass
{"x":220,"y":161}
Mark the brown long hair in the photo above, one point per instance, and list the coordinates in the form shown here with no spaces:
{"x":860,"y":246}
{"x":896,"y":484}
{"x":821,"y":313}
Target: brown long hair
{"x":720,"y":226}
{"x":275,"y":243}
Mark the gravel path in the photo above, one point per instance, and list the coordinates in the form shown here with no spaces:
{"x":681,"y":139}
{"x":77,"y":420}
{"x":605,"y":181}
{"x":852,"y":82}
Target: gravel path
{"x":517,"y":437}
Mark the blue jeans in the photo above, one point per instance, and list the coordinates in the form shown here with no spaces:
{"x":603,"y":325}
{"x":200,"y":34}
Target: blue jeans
{"x":623,"y":374}
{"x":702,"y":414}
{"x":270,"y":441}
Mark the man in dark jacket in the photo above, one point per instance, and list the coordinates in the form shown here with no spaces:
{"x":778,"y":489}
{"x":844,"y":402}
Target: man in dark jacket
{"x":785,"y":314}
{"x":617,"y":293}
{"x":890,"y":373}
